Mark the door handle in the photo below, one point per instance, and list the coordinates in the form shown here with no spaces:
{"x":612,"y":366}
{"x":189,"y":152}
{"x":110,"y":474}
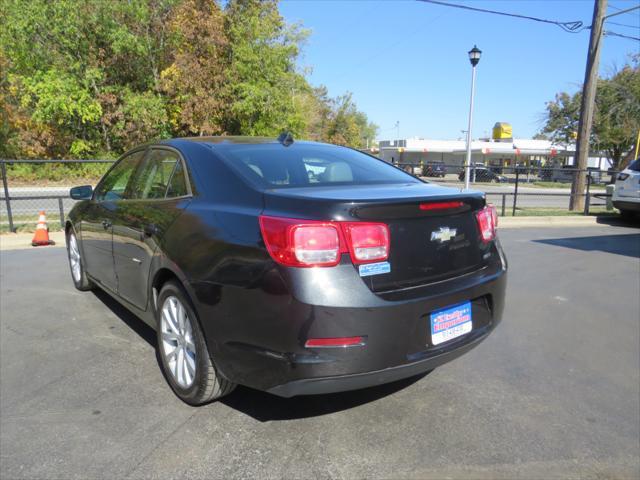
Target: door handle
{"x":151,"y":230}
{"x":106,"y":224}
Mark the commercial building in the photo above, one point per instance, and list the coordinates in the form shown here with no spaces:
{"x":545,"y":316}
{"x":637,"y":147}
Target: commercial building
{"x":499,"y":151}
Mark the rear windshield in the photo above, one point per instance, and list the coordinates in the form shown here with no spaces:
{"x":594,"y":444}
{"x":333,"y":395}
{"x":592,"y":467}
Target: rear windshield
{"x":635,"y":165}
{"x":308,"y":165}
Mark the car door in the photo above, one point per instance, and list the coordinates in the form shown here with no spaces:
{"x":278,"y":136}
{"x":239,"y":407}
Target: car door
{"x":158,"y":193}
{"x":96,"y":224}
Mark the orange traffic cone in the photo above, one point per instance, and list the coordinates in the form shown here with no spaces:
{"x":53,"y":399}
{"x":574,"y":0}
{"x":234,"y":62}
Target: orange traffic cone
{"x":41,"y":237}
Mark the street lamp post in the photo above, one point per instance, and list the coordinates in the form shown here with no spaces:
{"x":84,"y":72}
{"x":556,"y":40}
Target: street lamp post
{"x":474,"y":58}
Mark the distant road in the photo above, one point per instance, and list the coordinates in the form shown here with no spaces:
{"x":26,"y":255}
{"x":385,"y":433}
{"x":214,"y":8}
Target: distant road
{"x":30,"y":208}
{"x":533,"y":197}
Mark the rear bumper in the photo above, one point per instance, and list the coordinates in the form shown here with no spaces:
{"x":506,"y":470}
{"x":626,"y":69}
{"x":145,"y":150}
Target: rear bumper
{"x":632,"y":206}
{"x":264,"y":346}
{"x":343,"y":383}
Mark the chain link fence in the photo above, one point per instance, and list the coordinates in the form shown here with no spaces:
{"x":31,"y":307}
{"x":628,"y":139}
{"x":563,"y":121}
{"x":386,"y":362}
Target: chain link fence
{"x":31,"y":186}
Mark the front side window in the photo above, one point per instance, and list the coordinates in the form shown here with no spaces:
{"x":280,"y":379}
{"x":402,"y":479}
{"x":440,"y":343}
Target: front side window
{"x":114,"y":185}
{"x":160,"y":176}
{"x":308,"y":165}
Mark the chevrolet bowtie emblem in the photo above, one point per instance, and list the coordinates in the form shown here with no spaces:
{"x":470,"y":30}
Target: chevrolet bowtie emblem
{"x":444,"y":234}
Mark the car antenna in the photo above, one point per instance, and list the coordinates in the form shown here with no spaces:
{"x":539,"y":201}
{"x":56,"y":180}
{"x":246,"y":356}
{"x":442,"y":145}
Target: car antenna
{"x":285,"y":138}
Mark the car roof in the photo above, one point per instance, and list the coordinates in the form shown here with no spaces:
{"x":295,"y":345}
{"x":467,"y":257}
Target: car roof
{"x":230,"y":140}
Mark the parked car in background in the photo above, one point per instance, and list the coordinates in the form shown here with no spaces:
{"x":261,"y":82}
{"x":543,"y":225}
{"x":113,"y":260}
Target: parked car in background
{"x":626,"y":195}
{"x":484,"y":174}
{"x":434,"y":169}
{"x":410,"y":168}
{"x":291,"y":267}
{"x":565,"y":174}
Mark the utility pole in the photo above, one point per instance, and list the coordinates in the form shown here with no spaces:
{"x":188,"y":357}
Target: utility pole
{"x":587,"y":106}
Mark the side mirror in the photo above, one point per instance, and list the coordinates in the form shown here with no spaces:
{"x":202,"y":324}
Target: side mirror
{"x":81,"y":193}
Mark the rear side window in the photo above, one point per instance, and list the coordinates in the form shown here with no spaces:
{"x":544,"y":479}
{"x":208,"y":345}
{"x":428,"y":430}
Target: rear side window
{"x":635,"y":165}
{"x":304,"y":165}
{"x":161,"y":175}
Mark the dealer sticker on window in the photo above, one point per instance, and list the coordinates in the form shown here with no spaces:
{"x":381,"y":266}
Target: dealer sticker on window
{"x":450,"y":323}
{"x":374,"y":268}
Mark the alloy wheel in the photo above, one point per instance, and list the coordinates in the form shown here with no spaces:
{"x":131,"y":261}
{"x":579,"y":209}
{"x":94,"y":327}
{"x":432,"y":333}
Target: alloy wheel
{"x":74,"y":259}
{"x":178,"y":345}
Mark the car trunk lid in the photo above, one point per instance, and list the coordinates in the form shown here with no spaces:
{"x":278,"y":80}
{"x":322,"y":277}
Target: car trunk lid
{"x":433,"y":230}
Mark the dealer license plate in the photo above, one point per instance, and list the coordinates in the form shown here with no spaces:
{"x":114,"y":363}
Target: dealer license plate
{"x":450,"y":323}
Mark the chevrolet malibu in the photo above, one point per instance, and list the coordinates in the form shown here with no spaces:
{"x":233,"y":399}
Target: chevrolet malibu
{"x":287,"y":266}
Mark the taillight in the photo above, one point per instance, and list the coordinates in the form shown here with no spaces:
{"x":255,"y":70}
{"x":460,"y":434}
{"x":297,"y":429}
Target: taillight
{"x":301,"y":243}
{"x":623,"y":176}
{"x":311,"y":243}
{"x":368,"y":242}
{"x":487,"y":222}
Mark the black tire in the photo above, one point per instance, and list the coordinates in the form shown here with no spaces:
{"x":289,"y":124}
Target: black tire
{"x":207,"y":384}
{"x":81,"y":281}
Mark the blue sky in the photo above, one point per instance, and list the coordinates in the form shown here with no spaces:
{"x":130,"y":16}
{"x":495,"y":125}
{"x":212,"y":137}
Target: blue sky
{"x":407,"y":61}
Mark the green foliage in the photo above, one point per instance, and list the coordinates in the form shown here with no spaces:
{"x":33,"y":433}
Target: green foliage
{"x":56,"y":97}
{"x":617,"y":115}
{"x":263,"y":82}
{"x":617,"y":119}
{"x":562,"y":118}
{"x":55,"y":172}
{"x":92,"y":78}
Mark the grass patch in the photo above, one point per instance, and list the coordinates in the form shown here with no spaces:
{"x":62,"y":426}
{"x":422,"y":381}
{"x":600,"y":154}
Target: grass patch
{"x":549,"y":184}
{"x":55,"y":173}
{"x":560,"y":212}
{"x":27,"y":223}
{"x":556,"y":185}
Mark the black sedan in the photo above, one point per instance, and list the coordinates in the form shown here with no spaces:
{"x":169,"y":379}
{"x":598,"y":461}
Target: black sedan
{"x":291,"y":267}
{"x":435,"y":169}
{"x":483,"y":174}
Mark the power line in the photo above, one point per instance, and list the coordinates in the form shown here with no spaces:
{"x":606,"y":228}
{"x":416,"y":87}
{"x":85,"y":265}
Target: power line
{"x":624,"y":25}
{"x":621,"y":35}
{"x":571,"y":27}
{"x":617,"y":9}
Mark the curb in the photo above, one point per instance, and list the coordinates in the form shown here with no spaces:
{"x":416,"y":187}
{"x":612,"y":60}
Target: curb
{"x":19,"y":241}
{"x":522,"y":222}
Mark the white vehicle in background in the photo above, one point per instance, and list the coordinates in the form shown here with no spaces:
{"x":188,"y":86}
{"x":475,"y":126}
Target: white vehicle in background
{"x":626,"y":196}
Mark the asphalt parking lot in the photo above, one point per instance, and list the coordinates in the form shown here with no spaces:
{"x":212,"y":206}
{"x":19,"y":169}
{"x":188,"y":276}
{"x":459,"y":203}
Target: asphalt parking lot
{"x":553,"y":393}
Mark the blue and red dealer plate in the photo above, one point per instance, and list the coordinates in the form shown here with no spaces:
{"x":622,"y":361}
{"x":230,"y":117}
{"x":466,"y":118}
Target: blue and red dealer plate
{"x":450,"y":323}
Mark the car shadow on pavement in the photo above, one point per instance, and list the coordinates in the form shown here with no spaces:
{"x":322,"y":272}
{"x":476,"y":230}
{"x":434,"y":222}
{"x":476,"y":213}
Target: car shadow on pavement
{"x":143,"y":330}
{"x":627,"y":245}
{"x":265,"y":407}
{"x":619,"y":221}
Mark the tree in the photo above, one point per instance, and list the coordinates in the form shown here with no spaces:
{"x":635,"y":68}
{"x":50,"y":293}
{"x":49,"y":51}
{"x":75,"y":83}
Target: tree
{"x":92,"y":78}
{"x":617,"y":116}
{"x":196,"y":81}
{"x":617,"y":119}
{"x":562,"y":118}
{"x":347,"y":125}
{"x":263,"y":81}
